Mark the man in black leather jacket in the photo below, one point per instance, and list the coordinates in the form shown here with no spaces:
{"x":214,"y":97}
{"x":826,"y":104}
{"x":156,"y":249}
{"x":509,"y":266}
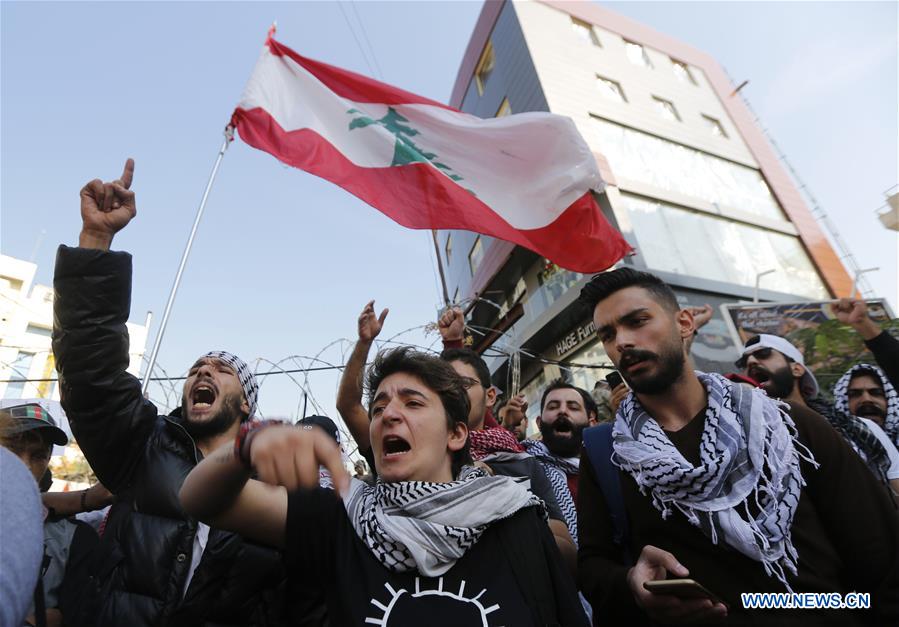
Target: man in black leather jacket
{"x":158,"y":566}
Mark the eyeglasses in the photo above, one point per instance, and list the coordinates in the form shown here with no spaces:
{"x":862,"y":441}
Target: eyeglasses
{"x":762,"y":353}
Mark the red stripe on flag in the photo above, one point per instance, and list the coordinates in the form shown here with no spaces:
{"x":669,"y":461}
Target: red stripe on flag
{"x":418,"y":196}
{"x":350,"y":85}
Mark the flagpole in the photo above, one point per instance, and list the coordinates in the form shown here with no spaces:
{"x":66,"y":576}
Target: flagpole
{"x":446,"y":299}
{"x":229,"y":135}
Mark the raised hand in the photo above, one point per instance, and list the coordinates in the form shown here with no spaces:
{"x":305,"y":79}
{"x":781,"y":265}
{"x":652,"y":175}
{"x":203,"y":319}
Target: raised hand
{"x":369,"y":325}
{"x":854,"y":312}
{"x":106,"y":208}
{"x":451,"y":325}
{"x":290,"y":457}
{"x":515,"y":411}
{"x":701,"y":315}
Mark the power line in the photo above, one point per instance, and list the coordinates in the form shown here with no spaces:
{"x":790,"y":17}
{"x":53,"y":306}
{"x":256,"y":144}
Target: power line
{"x":371,"y":48}
{"x":261,"y":374}
{"x":358,"y":43}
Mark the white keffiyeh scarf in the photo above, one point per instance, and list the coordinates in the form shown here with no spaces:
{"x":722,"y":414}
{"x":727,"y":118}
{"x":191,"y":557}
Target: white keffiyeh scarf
{"x":557,"y":470}
{"x":745,"y":489}
{"x":415,"y":525}
{"x":841,"y":397}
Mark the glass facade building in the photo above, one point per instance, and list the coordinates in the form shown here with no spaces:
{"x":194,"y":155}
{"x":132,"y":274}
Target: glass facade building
{"x":692,"y":184}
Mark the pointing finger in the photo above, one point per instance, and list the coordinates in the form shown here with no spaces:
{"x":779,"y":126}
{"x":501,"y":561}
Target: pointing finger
{"x":127,"y":173}
{"x":328,"y":455}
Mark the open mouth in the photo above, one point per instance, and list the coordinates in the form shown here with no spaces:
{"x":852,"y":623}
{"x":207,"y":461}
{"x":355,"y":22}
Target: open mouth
{"x":759,"y":375}
{"x":563,"y":427}
{"x":395,"y":446}
{"x":203,"y":396}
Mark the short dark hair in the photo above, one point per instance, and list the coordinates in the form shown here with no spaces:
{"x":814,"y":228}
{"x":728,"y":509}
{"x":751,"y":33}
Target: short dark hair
{"x":604,"y":284}
{"x":438,"y":376}
{"x":468,"y":356}
{"x":562,"y":384}
{"x":867,"y":371}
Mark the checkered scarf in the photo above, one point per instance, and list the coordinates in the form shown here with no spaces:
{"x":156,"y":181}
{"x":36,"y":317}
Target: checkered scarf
{"x":841,"y":397}
{"x":244,"y":375}
{"x":492,"y":440}
{"x":747,"y":485}
{"x":417,"y":525}
{"x":557,"y":470}
{"x":857,"y":434}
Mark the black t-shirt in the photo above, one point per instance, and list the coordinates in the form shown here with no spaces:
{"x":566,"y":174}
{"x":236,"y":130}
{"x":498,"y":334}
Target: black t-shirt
{"x":324,"y":553}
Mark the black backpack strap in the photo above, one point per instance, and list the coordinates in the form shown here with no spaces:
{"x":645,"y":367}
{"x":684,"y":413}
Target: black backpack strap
{"x":598,"y":445}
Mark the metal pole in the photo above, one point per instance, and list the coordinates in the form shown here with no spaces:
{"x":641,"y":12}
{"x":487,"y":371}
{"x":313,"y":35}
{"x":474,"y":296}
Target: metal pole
{"x":758,"y":278}
{"x":858,"y":273}
{"x":229,"y":135}
{"x":446,"y":299}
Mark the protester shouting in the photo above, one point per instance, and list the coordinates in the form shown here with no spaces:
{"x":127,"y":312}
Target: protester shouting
{"x":160,"y":566}
{"x":434,"y":542}
{"x":490,"y":445}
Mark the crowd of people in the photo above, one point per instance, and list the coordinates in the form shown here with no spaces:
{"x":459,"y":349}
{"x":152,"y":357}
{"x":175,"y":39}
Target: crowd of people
{"x":751,"y":481}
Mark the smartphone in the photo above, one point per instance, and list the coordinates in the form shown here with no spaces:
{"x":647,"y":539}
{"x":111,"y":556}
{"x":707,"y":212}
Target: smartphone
{"x":681,"y":588}
{"x":614,"y":379}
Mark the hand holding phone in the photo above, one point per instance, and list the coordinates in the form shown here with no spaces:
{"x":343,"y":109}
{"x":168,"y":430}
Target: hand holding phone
{"x":614,"y":379}
{"x":654,"y":594}
{"x":682,"y":589}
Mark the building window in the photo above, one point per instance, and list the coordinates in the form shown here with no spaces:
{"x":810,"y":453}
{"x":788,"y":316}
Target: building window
{"x":585,"y":32}
{"x":714,"y":126}
{"x":18,"y":375}
{"x":484,"y":68}
{"x":610,"y":89}
{"x":674,"y":167}
{"x":682,"y":72}
{"x":666,"y":109}
{"x":448,"y":249}
{"x":678,"y":240}
{"x":636,"y":54}
{"x":504,"y":109}
{"x":476,"y":255}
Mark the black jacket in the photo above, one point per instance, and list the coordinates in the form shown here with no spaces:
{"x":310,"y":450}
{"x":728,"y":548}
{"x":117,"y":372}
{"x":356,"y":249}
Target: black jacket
{"x":143,"y":458}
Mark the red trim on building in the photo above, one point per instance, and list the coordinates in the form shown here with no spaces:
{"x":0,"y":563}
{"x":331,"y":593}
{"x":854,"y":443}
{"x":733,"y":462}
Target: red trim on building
{"x":784,"y":189}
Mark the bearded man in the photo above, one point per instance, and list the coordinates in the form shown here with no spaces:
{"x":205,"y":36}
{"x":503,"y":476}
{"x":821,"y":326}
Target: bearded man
{"x":565,"y":411}
{"x":721,"y":484}
{"x":779,"y":368}
{"x":159,"y":565}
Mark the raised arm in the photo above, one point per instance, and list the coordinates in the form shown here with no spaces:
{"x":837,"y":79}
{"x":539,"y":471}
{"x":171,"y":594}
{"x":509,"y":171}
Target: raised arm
{"x":219,"y":490}
{"x":882,"y":345}
{"x":452,"y":328}
{"x":109,"y":416}
{"x":349,"y":393}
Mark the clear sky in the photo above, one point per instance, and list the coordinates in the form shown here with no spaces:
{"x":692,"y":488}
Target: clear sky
{"x":284,"y":261}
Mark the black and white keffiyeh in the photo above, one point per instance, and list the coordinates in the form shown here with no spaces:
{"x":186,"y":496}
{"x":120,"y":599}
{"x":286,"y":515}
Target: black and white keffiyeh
{"x":747,"y":486}
{"x":556,"y":470}
{"x":858,"y":435}
{"x":841,"y":397}
{"x":416,"y":525}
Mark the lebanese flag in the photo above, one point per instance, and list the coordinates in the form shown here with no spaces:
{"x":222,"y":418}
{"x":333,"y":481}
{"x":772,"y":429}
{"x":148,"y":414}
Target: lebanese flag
{"x":524,"y":178}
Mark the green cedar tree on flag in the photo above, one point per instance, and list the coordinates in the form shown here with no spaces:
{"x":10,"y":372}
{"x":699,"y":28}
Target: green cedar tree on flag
{"x":524,"y":178}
